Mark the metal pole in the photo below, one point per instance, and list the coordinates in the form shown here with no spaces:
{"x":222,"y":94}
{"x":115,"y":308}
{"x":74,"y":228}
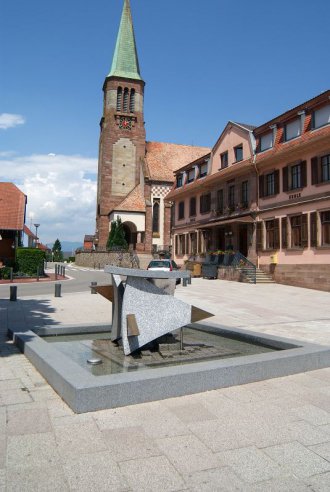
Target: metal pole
{"x":11,"y":274}
{"x":55,"y":271}
{"x":13,"y":293}
{"x":63,"y":271}
{"x":38,"y":274}
{"x":58,"y":290}
{"x":181,"y":338}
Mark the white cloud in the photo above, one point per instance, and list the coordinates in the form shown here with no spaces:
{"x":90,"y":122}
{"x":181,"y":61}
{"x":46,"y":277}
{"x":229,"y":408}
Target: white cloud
{"x":60,"y":196}
{"x":8,"y":120}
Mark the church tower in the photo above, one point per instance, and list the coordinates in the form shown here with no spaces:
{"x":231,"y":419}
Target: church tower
{"x":122,"y":143}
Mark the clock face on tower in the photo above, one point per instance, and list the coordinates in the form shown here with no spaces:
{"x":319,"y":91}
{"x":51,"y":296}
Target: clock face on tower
{"x":125,"y":123}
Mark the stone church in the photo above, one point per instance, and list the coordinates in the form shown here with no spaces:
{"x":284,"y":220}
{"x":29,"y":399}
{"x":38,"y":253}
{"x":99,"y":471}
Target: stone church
{"x":134,"y":175}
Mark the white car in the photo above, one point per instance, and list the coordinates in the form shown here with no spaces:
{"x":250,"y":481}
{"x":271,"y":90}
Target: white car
{"x":164,"y":266}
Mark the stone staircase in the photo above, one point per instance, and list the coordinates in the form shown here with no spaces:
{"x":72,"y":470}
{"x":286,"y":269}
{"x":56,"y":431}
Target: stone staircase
{"x":261,"y":276}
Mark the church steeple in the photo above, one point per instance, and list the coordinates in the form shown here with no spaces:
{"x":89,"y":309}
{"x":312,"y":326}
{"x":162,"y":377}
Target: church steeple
{"x":125,"y":61}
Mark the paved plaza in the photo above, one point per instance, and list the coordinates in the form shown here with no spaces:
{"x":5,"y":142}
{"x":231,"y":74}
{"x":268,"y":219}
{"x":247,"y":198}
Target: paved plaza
{"x":267,"y":436}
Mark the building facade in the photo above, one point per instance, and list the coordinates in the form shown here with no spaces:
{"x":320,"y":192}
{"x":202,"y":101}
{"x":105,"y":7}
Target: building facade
{"x":266,"y":193}
{"x":134,"y":175}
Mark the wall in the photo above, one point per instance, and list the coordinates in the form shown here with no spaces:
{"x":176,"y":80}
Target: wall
{"x":307,"y":275}
{"x":97,"y":259}
{"x":232,"y":138}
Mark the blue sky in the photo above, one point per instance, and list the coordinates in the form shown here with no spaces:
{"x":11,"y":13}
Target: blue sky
{"x":204,"y":62}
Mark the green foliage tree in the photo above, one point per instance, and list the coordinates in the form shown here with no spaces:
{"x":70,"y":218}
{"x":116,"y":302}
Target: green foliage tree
{"x":57,"y":251}
{"x":116,"y":239}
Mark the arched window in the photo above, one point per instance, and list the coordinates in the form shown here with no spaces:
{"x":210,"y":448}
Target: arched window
{"x":132,"y":101}
{"x":155,"y":217}
{"x":125,"y":108}
{"x":119,"y":98}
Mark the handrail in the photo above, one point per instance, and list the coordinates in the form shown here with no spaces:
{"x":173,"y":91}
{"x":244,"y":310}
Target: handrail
{"x":240,"y":261}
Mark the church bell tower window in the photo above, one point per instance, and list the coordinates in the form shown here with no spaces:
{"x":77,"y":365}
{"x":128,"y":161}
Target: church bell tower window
{"x":119,"y":98}
{"x":125,"y":108}
{"x":132,"y":101}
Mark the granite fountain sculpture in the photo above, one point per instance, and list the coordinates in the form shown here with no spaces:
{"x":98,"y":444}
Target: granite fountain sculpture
{"x":143,"y":308}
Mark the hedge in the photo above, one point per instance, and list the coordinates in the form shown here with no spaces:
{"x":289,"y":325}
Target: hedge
{"x":29,"y":259}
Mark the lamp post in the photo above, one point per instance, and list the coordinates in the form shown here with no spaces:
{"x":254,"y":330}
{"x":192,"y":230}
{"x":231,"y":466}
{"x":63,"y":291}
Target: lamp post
{"x":36,"y":226}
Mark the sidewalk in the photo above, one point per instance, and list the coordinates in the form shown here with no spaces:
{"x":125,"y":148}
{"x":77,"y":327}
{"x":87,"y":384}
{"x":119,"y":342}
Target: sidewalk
{"x":267,"y":436}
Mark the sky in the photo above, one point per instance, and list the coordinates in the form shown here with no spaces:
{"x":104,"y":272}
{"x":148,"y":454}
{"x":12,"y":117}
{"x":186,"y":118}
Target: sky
{"x":204,"y":63}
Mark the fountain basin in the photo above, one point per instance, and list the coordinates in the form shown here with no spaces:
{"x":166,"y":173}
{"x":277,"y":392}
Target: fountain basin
{"x":85,"y":391}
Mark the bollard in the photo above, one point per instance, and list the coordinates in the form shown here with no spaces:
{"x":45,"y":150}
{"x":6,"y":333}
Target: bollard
{"x":38,"y":274}
{"x":58,"y":290}
{"x":13,"y":292}
{"x":55,"y":271}
{"x":63,"y":271}
{"x":189,"y":280}
{"x":11,"y":274}
{"x":184,"y":282}
{"x":93,"y":285}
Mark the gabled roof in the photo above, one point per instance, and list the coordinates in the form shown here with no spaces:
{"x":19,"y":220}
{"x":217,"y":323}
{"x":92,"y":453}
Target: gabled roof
{"x":241,"y":126}
{"x":88,"y":238}
{"x":134,"y":202}
{"x":12,"y":207}
{"x":163,"y":159}
{"x":125,"y":61}
{"x":246,"y":126}
{"x":28,"y":232}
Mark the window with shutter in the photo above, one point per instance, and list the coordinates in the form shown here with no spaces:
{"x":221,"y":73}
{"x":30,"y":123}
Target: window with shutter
{"x":284,"y":232}
{"x":261,"y":186}
{"x":325,"y":224}
{"x":276,"y":233}
{"x":125,"y":104}
{"x":313,"y":229}
{"x":181,"y":211}
{"x":285,"y":179}
{"x":303,"y":166}
{"x":325,"y":168}
{"x":304,"y":231}
{"x":192,"y":207}
{"x":260,"y":236}
{"x":315,"y":170}
{"x":132,"y":101}
{"x":276,"y":181}
{"x":205,"y":203}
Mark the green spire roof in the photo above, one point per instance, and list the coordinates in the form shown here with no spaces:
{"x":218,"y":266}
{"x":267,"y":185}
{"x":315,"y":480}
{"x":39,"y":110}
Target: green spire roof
{"x":125,"y":61}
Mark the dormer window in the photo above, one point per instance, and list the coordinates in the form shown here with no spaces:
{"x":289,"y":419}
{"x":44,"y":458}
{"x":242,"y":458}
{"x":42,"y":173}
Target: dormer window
{"x":321,"y":117}
{"x":203,"y":170}
{"x":266,"y":141}
{"x":292,"y":130}
{"x":238,"y":153}
{"x":179,"y":180}
{"x":190,"y":175}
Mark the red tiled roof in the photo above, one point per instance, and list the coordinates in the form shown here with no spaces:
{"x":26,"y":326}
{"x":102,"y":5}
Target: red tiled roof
{"x":28,"y":232}
{"x":12,"y":207}
{"x":134,"y":202}
{"x":163,"y":159}
{"x":308,"y":137}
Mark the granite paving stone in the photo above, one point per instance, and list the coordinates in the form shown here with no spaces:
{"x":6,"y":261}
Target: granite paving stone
{"x":281,"y":484}
{"x":192,"y":412}
{"x":78,"y":439}
{"x":214,"y":480}
{"x":41,"y":479}
{"x":322,"y":450}
{"x":297,"y":459}
{"x":14,"y":396}
{"x":3,"y":449}
{"x":319,"y":483}
{"x":220,"y":435}
{"x":96,"y":471}
{"x":152,"y":474}
{"x":130,"y":443}
{"x":28,"y":421}
{"x":28,"y":450}
{"x":250,"y":464}
{"x":312,"y":414}
{"x":187,"y":453}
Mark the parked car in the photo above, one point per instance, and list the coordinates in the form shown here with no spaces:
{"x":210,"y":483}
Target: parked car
{"x":164,"y":266}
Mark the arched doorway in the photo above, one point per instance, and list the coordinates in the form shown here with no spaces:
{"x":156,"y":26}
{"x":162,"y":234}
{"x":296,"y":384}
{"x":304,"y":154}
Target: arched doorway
{"x":130,"y":234}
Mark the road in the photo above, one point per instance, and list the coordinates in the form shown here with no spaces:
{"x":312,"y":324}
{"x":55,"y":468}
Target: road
{"x":80,"y":280}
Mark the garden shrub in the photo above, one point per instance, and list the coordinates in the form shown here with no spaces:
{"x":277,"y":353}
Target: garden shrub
{"x":29,"y":259}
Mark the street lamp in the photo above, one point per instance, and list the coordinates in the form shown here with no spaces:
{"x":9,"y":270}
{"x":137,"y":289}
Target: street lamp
{"x":36,"y":226}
